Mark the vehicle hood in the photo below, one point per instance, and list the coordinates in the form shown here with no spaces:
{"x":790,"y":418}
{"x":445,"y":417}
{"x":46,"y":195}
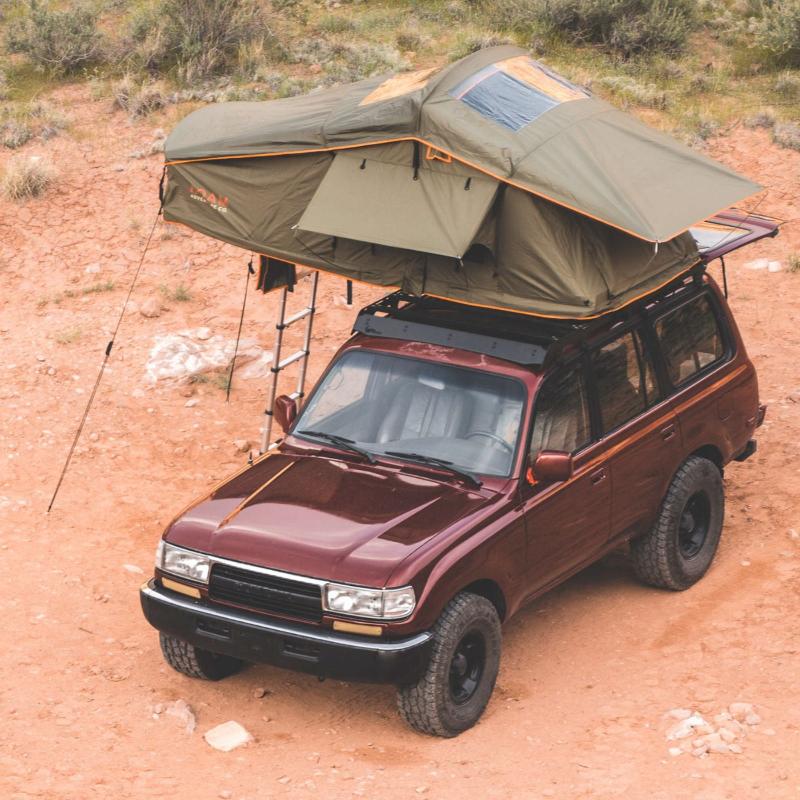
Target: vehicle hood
{"x":324,"y":517}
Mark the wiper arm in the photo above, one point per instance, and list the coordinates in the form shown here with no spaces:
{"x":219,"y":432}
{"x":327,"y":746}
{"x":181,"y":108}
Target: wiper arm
{"x":437,"y":462}
{"x":340,"y":441}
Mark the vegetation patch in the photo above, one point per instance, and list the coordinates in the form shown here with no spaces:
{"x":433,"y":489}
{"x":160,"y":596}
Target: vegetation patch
{"x":26,"y":177}
{"x":178,"y":294}
{"x":61,"y":41}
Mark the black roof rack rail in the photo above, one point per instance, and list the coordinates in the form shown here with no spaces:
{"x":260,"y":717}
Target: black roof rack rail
{"x":519,"y":338}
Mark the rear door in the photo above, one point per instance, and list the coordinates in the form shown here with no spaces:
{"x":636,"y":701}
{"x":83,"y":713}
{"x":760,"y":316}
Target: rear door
{"x":640,"y":431}
{"x":566,"y":523}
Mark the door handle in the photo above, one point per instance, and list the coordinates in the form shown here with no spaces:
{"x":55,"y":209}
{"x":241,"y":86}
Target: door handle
{"x":668,"y":432}
{"x":598,"y":475}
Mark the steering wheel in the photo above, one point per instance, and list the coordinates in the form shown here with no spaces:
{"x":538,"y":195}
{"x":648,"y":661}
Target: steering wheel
{"x":494,"y":437}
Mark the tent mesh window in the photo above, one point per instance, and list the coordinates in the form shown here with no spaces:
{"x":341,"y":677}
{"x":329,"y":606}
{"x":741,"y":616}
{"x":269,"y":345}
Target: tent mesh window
{"x":515,"y":92}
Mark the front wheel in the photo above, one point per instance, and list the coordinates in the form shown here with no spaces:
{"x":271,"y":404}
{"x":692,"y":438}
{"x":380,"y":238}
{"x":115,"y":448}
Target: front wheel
{"x":680,"y":547}
{"x":455,"y":688}
{"x":196,"y":662}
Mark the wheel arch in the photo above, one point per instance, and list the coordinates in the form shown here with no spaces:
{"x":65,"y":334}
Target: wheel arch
{"x":711,"y":453}
{"x":486,"y":587}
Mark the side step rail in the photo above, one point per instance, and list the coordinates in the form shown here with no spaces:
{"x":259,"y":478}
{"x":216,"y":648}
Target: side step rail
{"x":280,"y":363}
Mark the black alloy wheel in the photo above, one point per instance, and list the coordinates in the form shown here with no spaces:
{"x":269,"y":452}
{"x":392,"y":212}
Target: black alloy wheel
{"x":693,"y":527}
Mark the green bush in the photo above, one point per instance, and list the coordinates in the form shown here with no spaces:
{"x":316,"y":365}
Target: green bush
{"x":625,"y":27}
{"x":61,"y":41}
{"x":200,"y":39}
{"x":777,"y":30}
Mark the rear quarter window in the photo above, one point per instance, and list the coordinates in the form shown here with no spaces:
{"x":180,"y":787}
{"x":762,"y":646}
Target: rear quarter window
{"x":690,"y":338}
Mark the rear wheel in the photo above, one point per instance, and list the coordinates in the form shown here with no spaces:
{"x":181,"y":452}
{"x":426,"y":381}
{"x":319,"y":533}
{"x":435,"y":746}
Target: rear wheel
{"x":196,"y":662}
{"x":454,"y":690}
{"x":680,"y":547}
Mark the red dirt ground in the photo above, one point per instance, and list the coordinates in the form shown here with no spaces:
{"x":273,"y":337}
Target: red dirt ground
{"x":588,"y":671}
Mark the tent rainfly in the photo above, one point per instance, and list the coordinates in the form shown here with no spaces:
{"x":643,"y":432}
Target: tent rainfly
{"x":493,"y":181}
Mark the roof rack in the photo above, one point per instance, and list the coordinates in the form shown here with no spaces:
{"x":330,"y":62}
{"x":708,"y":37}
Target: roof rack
{"x":519,"y":338}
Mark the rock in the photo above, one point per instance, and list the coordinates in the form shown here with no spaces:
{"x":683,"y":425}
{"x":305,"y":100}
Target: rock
{"x":774,"y":266}
{"x":794,"y":535}
{"x":227,"y":736}
{"x":769,"y":731}
{"x":686,"y":727}
{"x":284,"y":779}
{"x":187,"y":389}
{"x":225,"y":794}
{"x":735,"y":748}
{"x":739,"y":711}
{"x":191,"y":403}
{"x":182,"y":711}
{"x":244,"y":446}
{"x":680,"y":713}
{"x":759,"y":263}
{"x":259,"y":693}
{"x":203,"y":334}
{"x":421,"y":789}
{"x":727,"y":735}
{"x":150,"y":308}
{"x":40,"y":358}
{"x":752,"y":719}
{"x":51,"y":370}
{"x":675,"y":751}
{"x":92,"y":269}
{"x":133,"y":569}
{"x":745,"y":563}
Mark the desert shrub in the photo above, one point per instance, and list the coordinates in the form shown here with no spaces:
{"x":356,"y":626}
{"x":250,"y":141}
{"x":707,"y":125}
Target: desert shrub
{"x":467,"y":43}
{"x":788,"y":85}
{"x":794,"y":262}
{"x":765,"y":118}
{"x":335,"y":23}
{"x":26,"y":177}
{"x":634,"y":92}
{"x":777,"y":30}
{"x":139,"y":98}
{"x":5,"y":89}
{"x":199,"y":39}
{"x":787,"y":134}
{"x":59,"y":40}
{"x":14,"y":134}
{"x":345,"y":61}
{"x":626,"y":27}
{"x":408,"y":40}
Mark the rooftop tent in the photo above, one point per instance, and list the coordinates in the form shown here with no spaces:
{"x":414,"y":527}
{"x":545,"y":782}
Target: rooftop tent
{"x":493,"y":181}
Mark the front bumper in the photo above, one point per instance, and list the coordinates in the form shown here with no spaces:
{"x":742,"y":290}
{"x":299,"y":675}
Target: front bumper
{"x":293,"y":646}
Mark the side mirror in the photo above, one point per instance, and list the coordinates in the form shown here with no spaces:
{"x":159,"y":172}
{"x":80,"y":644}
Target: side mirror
{"x":285,"y":411}
{"x":552,"y":466}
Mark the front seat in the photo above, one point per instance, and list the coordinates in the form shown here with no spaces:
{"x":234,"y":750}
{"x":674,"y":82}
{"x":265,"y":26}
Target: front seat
{"x":418,"y":411}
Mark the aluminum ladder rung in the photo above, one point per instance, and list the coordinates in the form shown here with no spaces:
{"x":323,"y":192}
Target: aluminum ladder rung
{"x":298,"y":316}
{"x":291,"y":359}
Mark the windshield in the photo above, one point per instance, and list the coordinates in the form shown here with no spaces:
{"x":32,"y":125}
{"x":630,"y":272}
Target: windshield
{"x":392,"y":405}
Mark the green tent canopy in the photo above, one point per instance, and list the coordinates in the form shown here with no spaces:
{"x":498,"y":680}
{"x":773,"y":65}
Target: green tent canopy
{"x":493,"y":181}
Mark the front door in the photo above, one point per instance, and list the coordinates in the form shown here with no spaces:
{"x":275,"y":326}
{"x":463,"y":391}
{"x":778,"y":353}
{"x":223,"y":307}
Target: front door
{"x":566,"y":523}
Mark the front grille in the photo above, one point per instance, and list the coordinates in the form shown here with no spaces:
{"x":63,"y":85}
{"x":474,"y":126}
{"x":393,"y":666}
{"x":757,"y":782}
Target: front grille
{"x":265,"y":592}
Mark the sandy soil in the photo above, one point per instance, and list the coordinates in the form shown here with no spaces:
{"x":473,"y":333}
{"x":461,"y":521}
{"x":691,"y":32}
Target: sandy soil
{"x":588,"y":672}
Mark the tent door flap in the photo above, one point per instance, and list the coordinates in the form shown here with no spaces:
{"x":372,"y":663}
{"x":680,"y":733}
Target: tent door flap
{"x":379,"y":202}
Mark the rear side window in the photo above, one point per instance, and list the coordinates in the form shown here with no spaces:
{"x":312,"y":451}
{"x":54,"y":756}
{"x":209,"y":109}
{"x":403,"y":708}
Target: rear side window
{"x":625,"y":380}
{"x":562,"y":414}
{"x":690,"y":339}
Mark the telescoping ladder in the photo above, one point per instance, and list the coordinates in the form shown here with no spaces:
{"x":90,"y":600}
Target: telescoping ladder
{"x":279,"y":364}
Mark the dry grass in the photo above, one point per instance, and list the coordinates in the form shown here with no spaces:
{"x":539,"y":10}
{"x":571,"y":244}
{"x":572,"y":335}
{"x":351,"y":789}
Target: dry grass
{"x":27,"y":177}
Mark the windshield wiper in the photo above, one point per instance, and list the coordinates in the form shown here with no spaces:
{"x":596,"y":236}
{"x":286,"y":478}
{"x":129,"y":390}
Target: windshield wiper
{"x":436,"y":462}
{"x":340,"y":441}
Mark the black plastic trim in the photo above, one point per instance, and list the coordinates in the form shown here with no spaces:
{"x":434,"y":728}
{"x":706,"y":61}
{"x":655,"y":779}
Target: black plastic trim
{"x":302,"y":648}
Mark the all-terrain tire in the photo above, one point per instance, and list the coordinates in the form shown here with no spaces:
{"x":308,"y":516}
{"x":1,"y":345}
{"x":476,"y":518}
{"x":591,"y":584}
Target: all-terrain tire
{"x":429,"y":705}
{"x":661,"y":557}
{"x":196,"y":662}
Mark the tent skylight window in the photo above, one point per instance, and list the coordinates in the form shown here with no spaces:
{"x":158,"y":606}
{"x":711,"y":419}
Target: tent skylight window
{"x":516,"y":91}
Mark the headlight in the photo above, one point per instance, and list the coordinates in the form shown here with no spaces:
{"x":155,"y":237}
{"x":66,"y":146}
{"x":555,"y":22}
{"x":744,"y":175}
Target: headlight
{"x":184,"y":563}
{"x":376,"y":603}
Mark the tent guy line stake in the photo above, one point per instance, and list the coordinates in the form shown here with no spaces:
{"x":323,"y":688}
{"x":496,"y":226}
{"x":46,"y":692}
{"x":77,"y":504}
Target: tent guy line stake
{"x":109,"y":347}
{"x":250,"y":271}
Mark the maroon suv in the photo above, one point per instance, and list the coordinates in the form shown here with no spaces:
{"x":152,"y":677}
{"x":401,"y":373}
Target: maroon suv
{"x":450,"y":465}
